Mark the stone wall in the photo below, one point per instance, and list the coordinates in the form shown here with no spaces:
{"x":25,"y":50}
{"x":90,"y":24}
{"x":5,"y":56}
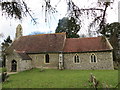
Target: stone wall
{"x":9,"y":58}
{"x":38,"y":60}
{"x":25,"y":65}
{"x":104,"y":61}
{"x":21,"y":64}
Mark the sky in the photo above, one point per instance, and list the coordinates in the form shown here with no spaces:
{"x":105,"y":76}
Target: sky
{"x":8,"y":26}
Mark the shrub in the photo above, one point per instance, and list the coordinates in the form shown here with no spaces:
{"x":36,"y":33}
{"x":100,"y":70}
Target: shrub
{"x":4,"y":75}
{"x":4,"y":70}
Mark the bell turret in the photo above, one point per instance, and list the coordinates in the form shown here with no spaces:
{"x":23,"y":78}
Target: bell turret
{"x":19,"y":31}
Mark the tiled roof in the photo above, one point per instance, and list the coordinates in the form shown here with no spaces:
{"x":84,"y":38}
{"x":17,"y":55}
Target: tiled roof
{"x":24,"y":56}
{"x":40,"y":43}
{"x":86,"y":44}
{"x":57,"y":42}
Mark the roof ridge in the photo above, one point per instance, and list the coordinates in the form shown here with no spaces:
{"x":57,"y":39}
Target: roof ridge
{"x":85,"y":37}
{"x":44,"y":34}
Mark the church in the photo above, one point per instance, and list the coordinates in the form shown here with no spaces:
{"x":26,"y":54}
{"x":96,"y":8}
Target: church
{"x":55,"y":51}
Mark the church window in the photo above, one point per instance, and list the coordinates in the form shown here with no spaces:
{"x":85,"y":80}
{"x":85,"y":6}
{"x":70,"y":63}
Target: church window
{"x":46,"y":58}
{"x":76,"y":59}
{"x":93,"y":58}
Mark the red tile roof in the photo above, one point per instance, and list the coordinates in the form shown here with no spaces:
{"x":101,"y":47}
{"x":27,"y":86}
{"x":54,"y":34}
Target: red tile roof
{"x":40,"y":43}
{"x":86,"y":44}
{"x":58,"y":42}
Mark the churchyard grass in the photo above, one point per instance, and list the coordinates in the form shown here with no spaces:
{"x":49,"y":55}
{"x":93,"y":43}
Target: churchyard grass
{"x":0,"y":69}
{"x":52,"y":78}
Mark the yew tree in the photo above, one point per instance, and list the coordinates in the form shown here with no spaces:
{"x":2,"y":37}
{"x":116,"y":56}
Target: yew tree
{"x":68,"y":25}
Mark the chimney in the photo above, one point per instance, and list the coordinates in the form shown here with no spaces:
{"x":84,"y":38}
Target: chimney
{"x":19,"y":31}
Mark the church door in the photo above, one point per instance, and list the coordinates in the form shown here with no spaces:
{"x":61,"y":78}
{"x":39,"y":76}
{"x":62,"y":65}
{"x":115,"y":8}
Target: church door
{"x":14,"y":66}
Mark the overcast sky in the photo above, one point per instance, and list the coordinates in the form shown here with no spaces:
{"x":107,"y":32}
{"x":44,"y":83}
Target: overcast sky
{"x":8,"y":26}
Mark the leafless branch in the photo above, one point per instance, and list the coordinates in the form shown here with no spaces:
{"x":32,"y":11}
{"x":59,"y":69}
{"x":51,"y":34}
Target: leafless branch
{"x":28,"y":11}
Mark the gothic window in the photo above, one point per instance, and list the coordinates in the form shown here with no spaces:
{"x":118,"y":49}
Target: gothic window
{"x":76,"y":59}
{"x":46,"y":58}
{"x":93,"y":58}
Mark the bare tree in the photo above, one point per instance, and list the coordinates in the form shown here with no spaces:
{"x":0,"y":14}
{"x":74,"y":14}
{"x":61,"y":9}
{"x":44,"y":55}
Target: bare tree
{"x":15,"y":9}
{"x":19,"y":8}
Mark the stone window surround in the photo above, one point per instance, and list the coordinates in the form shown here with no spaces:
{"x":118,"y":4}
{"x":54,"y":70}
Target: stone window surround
{"x":74,"y":59}
{"x":95,"y":58}
{"x":45,"y":59}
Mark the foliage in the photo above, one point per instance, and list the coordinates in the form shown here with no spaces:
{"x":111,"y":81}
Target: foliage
{"x":4,"y":70}
{"x":4,"y":75}
{"x":112,"y":31}
{"x":5,"y":45}
{"x":12,"y":8}
{"x":0,"y":62}
{"x":7,"y":41}
{"x":68,"y":25}
{"x":15,"y":9}
{"x":53,"y":78}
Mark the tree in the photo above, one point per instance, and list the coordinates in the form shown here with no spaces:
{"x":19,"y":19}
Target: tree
{"x":4,"y":75}
{"x":7,"y":41}
{"x":68,"y":25}
{"x":19,"y":8}
{"x":5,"y":45}
{"x":112,"y":31}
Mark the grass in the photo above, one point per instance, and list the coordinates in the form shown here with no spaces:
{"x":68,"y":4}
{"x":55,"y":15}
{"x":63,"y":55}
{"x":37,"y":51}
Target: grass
{"x":52,"y":78}
{"x":0,"y":69}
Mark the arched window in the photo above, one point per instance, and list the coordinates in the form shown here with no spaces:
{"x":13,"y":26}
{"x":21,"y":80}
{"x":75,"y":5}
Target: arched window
{"x":93,"y":58}
{"x":76,"y":59}
{"x":46,"y":58}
